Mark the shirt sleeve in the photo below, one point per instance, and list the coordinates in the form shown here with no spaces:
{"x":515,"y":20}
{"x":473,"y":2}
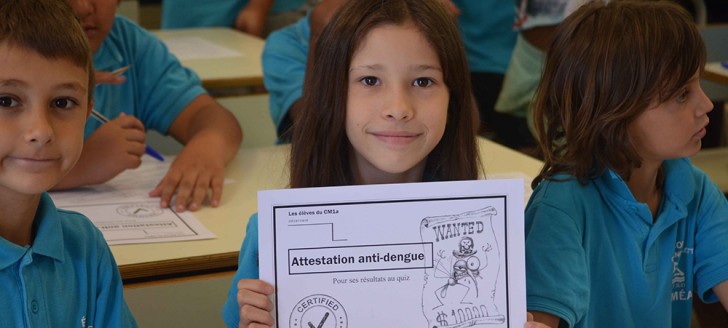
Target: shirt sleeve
{"x":711,"y":249}
{"x":557,"y":280}
{"x":284,"y":69}
{"x":247,"y":269}
{"x":164,"y":87}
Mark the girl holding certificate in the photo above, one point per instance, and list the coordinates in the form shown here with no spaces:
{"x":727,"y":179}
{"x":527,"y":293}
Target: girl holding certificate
{"x":387,"y":101}
{"x":622,"y":230}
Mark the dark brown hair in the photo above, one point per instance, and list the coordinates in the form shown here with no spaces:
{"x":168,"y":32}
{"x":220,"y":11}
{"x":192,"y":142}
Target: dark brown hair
{"x":49,"y":28}
{"x":320,"y":153}
{"x":606,"y":64}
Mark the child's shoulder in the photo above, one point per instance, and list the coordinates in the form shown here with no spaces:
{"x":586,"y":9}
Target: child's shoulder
{"x":125,"y":33}
{"x":561,"y":187}
{"x":565,"y":194}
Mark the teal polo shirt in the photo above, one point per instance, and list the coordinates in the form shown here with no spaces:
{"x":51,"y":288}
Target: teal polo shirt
{"x":157,"y":87}
{"x":486,"y":27}
{"x":66,"y":278}
{"x":284,"y":69}
{"x":209,"y":13}
{"x":595,"y":258}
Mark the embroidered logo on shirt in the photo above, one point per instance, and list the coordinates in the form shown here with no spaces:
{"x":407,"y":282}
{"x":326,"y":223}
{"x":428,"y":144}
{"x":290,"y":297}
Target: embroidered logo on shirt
{"x":679,"y":291}
{"x":83,"y":323}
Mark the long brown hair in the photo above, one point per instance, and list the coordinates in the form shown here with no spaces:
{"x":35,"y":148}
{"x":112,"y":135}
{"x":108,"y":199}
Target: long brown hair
{"x":606,"y":64}
{"x":320,"y":149}
{"x":49,"y":28}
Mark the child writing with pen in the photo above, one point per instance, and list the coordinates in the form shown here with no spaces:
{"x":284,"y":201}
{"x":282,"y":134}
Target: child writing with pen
{"x":622,"y":230}
{"x":56,"y":269}
{"x":394,"y":107}
{"x":156,"y":92}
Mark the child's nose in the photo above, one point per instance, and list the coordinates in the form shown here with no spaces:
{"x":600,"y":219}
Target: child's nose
{"x":81,"y":8}
{"x":39,"y":129}
{"x":706,"y":105}
{"x":399,"y":106}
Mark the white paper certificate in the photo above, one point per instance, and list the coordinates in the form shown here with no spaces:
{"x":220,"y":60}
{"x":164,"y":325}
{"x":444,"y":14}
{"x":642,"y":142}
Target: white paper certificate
{"x":430,"y":255}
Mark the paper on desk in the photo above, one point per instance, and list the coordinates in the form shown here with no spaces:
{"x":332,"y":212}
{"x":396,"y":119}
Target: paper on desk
{"x":125,"y":214}
{"x":193,"y":47}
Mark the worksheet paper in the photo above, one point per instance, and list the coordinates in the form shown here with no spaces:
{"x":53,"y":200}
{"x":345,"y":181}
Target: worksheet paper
{"x":125,"y":214}
{"x":193,"y":47}
{"x":430,"y":255}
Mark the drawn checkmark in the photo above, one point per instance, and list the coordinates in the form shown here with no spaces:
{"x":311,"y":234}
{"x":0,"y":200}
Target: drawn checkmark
{"x":321,"y":324}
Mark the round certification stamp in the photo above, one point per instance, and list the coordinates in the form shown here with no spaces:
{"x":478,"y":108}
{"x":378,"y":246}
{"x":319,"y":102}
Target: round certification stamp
{"x":319,"y":311}
{"x":139,"y":210}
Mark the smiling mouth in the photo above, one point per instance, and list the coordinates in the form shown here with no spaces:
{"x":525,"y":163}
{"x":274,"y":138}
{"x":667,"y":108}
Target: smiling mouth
{"x":397,"y":138}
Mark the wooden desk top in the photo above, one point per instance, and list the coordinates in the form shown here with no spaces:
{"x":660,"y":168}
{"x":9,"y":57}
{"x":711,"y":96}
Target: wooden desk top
{"x":714,"y":162}
{"x":716,"y":73}
{"x":239,"y":71}
{"x":252,"y":170}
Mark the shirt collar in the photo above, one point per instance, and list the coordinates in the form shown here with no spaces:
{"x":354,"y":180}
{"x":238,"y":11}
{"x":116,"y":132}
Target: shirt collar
{"x":679,"y":185}
{"x":49,"y":236}
{"x":678,"y":189}
{"x":48,"y":240}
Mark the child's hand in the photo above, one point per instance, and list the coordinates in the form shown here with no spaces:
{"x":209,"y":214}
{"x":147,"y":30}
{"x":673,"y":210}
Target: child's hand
{"x":254,"y":304}
{"x":114,"y":147}
{"x":251,"y":20}
{"x":196,"y":170}
{"x":533,"y":324}
{"x":108,"y":78}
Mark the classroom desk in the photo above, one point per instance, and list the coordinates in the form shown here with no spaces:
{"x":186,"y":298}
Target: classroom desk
{"x":716,"y":73}
{"x":255,"y":169}
{"x":239,"y":71}
{"x":714,"y":162}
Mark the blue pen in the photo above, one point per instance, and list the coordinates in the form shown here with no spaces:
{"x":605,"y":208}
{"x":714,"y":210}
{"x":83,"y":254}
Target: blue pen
{"x":149,"y":150}
{"x":724,"y":64}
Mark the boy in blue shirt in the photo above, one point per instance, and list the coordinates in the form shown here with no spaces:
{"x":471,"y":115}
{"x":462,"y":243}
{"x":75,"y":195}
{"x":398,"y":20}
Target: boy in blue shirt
{"x":55,"y":267}
{"x":621,"y":229}
{"x":156,"y":92}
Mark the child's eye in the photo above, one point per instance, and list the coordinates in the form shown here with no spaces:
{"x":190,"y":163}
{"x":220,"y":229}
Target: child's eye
{"x":370,"y":80}
{"x":64,"y":103}
{"x":7,"y":101}
{"x":423,"y":82}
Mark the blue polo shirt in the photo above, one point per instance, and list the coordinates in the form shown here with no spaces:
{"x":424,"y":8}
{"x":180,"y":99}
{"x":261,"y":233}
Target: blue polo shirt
{"x":157,"y":88}
{"x":67,"y":278}
{"x":595,"y":258}
{"x":488,"y":41}
{"x":208,"y":13}
{"x":284,"y":69}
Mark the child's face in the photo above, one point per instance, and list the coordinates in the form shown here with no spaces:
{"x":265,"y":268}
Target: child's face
{"x":674,"y":128}
{"x":97,"y":17}
{"x":43,"y":109}
{"x":397,"y":104}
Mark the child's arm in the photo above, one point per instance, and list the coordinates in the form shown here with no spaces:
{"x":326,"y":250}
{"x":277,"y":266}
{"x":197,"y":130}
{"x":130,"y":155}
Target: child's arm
{"x":252,"y":18}
{"x":721,"y":290}
{"x":114,"y":147}
{"x":211,"y":135}
{"x":254,"y":304}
